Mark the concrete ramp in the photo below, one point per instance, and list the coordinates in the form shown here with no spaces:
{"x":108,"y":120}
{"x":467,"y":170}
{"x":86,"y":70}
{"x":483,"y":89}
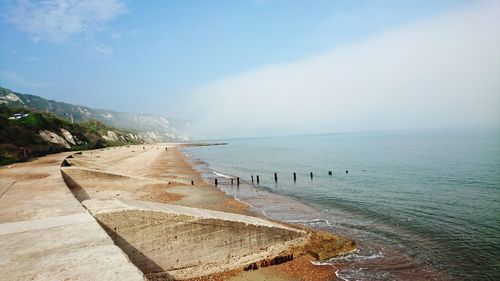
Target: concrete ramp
{"x":176,"y":242}
{"x":87,"y":183}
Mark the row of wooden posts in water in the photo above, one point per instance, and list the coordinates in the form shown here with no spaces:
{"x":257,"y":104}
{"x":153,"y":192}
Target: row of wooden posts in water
{"x":330,"y":173}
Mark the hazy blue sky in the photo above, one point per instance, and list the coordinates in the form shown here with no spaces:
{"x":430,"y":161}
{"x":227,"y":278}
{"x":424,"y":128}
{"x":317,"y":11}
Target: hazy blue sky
{"x":239,"y":68}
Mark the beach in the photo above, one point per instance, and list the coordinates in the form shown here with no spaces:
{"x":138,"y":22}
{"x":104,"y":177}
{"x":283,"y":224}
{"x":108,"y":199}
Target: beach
{"x":144,"y":212}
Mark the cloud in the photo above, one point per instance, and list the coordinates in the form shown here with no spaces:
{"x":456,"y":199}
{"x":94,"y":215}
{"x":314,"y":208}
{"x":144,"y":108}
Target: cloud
{"x":57,"y":20}
{"x":103,"y":49}
{"x":437,"y":73}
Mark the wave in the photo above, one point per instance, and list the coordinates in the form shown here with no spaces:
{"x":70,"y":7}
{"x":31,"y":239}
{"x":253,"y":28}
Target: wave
{"x":221,"y":175}
{"x":312,"y":221}
{"x":353,"y":256}
{"x":349,"y":257}
{"x":338,"y":275}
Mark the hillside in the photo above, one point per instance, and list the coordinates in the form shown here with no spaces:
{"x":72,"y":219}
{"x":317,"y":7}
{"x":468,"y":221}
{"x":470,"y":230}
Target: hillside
{"x":27,"y":133}
{"x":149,"y":128}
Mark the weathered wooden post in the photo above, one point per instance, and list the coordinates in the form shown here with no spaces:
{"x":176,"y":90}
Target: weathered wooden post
{"x":258,"y":179}
{"x":330,"y":173}
{"x":276,"y":177}
{"x":311,"y":175}
{"x":238,"y":180}
{"x":215,"y":181}
{"x":231,"y":181}
{"x":252,"y":178}
{"x":192,"y":182}
{"x":294,"y":176}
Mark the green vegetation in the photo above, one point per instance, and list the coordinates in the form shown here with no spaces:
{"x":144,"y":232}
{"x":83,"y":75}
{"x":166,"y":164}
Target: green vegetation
{"x":166,"y":130}
{"x":20,"y":138}
{"x":30,"y":120}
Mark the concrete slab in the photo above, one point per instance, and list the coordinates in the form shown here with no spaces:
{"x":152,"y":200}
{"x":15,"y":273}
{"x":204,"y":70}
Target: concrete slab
{"x":45,"y":233}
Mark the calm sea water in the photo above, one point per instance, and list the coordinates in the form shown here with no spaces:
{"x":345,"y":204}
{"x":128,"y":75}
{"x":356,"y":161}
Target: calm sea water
{"x":421,"y":205}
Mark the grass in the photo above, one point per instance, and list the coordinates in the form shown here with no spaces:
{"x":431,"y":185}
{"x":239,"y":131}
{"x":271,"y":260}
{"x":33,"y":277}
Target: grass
{"x":30,"y":120}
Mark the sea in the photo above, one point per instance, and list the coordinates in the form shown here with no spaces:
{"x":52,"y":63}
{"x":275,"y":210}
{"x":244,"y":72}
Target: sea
{"x":421,"y":205}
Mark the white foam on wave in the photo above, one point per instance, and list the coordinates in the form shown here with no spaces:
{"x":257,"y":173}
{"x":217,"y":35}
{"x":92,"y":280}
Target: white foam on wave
{"x":352,"y":256}
{"x":312,"y":221}
{"x":239,"y":200}
{"x":221,"y":175}
{"x":358,"y":257}
{"x":329,"y":264}
{"x":338,"y":276}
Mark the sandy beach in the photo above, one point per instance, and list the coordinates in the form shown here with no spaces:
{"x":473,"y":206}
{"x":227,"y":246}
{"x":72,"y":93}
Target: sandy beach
{"x":155,"y":216}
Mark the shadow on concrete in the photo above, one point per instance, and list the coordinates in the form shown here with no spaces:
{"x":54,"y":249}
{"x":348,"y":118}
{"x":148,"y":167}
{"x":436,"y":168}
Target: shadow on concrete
{"x":78,"y":191}
{"x":152,"y":270}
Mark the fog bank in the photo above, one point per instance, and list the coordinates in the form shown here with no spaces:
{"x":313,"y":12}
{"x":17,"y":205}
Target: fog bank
{"x":442,"y":72}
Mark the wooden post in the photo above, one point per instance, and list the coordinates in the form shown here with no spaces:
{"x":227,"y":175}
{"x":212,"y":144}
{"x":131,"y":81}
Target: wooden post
{"x":257,"y":179}
{"x":252,"y":178}
{"x":330,"y":173}
{"x":192,"y":182}
{"x":276,"y":177}
{"x":215,"y":181}
{"x":311,"y":175}
{"x":238,"y":180}
{"x":294,"y":176}
{"x":232,"y":181}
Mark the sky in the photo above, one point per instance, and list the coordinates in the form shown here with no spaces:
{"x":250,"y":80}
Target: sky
{"x":262,"y":67}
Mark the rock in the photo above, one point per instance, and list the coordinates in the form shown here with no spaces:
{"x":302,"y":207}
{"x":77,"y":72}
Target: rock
{"x":67,"y":135}
{"x":111,"y":136}
{"x":53,"y":138}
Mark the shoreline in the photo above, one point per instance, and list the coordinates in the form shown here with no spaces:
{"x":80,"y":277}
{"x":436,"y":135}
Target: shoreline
{"x":256,"y":204}
{"x":372,"y":251}
{"x":303,"y":269}
{"x":133,"y":183}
